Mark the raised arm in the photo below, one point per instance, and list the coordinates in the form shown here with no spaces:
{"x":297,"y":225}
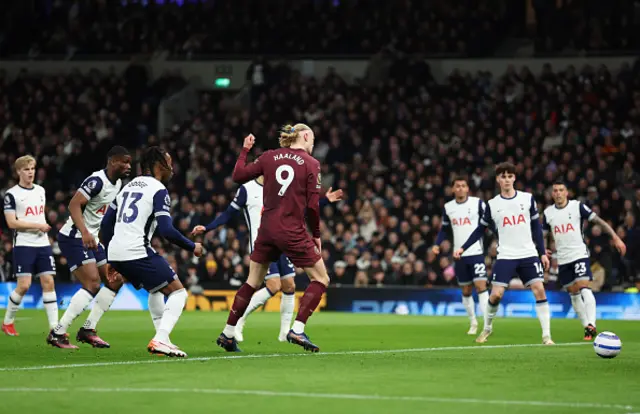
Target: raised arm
{"x":244,"y":172}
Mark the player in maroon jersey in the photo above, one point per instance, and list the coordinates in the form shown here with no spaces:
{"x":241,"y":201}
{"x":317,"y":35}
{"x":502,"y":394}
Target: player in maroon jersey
{"x":291,"y":191}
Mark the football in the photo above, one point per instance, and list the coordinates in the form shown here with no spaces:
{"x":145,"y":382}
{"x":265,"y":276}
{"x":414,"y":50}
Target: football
{"x":607,"y":345}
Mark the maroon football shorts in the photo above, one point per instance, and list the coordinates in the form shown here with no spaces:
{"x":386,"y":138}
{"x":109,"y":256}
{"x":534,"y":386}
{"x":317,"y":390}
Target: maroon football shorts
{"x":298,"y":247}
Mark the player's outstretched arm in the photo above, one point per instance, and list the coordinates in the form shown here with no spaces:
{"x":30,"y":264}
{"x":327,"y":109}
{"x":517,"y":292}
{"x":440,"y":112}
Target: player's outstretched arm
{"x":617,"y":241}
{"x":166,"y":230}
{"x":222,"y":219}
{"x":244,"y":172}
{"x":107,"y":224}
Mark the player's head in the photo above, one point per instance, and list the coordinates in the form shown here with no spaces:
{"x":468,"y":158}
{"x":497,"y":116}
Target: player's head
{"x":460,"y":187}
{"x":505,"y":175}
{"x":119,"y":162}
{"x":25,"y":167}
{"x":559,"y":192}
{"x":297,"y":136}
{"x":157,"y":162}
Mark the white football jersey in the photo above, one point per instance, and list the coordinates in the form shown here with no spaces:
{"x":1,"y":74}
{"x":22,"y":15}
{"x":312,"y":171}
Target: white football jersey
{"x":28,"y":205}
{"x":566,"y":225}
{"x":249,"y":199}
{"x":137,"y":206}
{"x":512,"y":218}
{"x":464,"y":218}
{"x":100,"y":192}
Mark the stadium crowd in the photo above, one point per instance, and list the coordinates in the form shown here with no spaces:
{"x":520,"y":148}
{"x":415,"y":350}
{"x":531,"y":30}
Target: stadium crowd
{"x":392,"y":148}
{"x":185,"y":28}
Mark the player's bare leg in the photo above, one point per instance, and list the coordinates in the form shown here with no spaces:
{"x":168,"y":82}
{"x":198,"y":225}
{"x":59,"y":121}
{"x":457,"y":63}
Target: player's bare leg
{"x":176,"y":300}
{"x":104,"y":299}
{"x":13,"y":304}
{"x":287,"y":305}
{"x":89,"y":277}
{"x":543,"y":311}
{"x":584,"y":304}
{"x":470,"y":307}
{"x":258,"y":299}
{"x":309,"y":302}
{"x":257,"y":273}
{"x":497,"y":292}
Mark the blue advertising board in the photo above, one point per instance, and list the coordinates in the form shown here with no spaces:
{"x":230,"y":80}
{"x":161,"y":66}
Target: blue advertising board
{"x":447,"y":302}
{"x":128,"y":298}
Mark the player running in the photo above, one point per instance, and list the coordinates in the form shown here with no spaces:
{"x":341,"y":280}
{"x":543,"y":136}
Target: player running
{"x":78,"y":241}
{"x":281,"y":273}
{"x":463,"y":215}
{"x":514,"y":215}
{"x":291,"y":188}
{"x":564,"y":220}
{"x":24,"y":210}
{"x":127,"y":229}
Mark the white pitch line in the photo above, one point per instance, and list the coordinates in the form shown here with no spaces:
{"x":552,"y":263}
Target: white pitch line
{"x":259,"y":356}
{"x":366,"y":397}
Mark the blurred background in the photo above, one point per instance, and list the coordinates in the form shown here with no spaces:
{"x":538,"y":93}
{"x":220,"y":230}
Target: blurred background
{"x":402,"y":95}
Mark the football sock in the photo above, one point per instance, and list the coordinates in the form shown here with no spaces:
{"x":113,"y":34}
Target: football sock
{"x":156,"y":308}
{"x":172,"y":311}
{"x":104,"y":299}
{"x":492,"y":309}
{"x":258,"y":299}
{"x":240,"y":304}
{"x":309,"y":302}
{"x":578,"y":306}
{"x":50,"y":302}
{"x":483,"y":298}
{"x":12,"y":307}
{"x":79,"y":301}
{"x":287,"y":304}
{"x":470,"y":306}
{"x":589,"y":305}
{"x":544,"y":316}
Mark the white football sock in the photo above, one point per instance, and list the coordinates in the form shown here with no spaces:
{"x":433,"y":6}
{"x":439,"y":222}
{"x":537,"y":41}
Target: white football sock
{"x":298,"y":327}
{"x":13,"y":304}
{"x":79,"y":301}
{"x":489,"y":315}
{"x":258,"y":299}
{"x":104,"y":299}
{"x":156,"y":308}
{"x":544,"y":316}
{"x":578,"y":306}
{"x":229,"y":331}
{"x":483,"y":298}
{"x":287,"y":304}
{"x":172,"y":311}
{"x":589,"y":305}
{"x":50,"y":302}
{"x":470,"y":306}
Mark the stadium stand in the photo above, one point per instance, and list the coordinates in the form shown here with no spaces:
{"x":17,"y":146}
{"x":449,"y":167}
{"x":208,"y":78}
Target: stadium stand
{"x":391,"y":147}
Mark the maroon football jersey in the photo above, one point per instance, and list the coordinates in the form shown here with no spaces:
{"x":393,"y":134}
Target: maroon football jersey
{"x":291,"y":188}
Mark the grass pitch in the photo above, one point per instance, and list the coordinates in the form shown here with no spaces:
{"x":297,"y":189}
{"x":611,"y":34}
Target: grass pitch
{"x":367,"y":364}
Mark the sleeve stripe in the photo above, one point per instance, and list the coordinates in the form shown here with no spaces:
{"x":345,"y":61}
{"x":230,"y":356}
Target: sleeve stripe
{"x":591,"y":217}
{"x":9,"y":210}
{"x":484,"y":223}
{"x":84,"y":193}
{"x":234,"y":205}
{"x":535,"y":216}
{"x":113,"y":205}
{"x":162,"y":213}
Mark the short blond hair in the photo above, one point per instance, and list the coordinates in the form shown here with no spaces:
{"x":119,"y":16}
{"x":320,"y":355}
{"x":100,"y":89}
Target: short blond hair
{"x":23,"y":162}
{"x":289,"y":134}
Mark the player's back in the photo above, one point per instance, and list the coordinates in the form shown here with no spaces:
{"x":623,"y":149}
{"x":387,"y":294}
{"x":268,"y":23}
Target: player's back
{"x":28,"y":205}
{"x":135,"y":218}
{"x":99,"y":191}
{"x":290,"y":177}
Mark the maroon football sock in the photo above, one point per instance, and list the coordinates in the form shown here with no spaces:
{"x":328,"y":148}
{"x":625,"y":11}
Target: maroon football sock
{"x":310,"y":300}
{"x":240,"y":303}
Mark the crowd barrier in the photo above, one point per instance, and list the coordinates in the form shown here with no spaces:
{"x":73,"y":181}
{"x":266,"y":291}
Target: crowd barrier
{"x":403,"y":301}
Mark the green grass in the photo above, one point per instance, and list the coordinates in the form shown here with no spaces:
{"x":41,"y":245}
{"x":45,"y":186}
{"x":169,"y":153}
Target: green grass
{"x":497,"y":380}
